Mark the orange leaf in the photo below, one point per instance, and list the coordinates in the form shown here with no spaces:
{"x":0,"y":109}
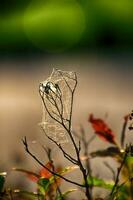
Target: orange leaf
{"x":102,"y":129}
{"x":44,"y":172}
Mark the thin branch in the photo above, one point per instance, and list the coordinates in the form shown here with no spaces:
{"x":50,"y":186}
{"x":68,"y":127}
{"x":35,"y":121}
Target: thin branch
{"x":86,"y":142}
{"x":123,"y":132}
{"x":56,"y":105}
{"x":91,"y":139}
{"x":72,"y":98}
{"x":49,"y":112}
{"x":111,"y":169}
{"x":54,"y":173}
{"x":48,"y":152}
{"x":50,"y":100}
{"x":62,"y":110}
{"x":83,"y":170}
{"x":66,"y":155}
{"x":65,"y":81}
{"x":118,"y":175}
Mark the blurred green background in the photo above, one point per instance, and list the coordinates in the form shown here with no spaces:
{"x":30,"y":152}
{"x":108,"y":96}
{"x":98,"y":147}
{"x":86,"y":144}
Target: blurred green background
{"x":65,"y":25}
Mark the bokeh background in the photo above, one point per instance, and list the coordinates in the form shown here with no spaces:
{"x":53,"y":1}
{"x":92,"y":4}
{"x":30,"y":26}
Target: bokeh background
{"x":92,"y":37}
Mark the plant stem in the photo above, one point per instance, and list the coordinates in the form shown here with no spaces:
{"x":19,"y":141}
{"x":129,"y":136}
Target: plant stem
{"x":118,"y":175}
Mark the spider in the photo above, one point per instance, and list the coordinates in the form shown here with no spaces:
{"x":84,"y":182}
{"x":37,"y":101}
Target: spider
{"x":49,"y":87}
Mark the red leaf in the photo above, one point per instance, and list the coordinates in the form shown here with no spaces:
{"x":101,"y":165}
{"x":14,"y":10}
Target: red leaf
{"x":44,"y":172}
{"x":102,"y":129}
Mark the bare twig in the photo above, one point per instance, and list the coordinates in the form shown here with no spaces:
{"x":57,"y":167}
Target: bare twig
{"x":49,"y":112}
{"x":118,"y":175}
{"x":111,"y":169}
{"x":54,"y":173}
{"x":86,"y":143}
{"x":66,"y":155}
{"x":124,"y":132}
{"x":48,"y":152}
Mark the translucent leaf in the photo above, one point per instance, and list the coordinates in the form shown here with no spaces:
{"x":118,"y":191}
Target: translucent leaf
{"x":56,"y":94}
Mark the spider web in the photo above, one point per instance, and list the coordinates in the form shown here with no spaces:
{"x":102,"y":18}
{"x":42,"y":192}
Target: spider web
{"x":65,"y":82}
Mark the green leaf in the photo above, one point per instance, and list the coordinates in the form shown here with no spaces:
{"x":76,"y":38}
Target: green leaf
{"x":122,"y":192}
{"x":129,"y":165}
{"x":61,"y":197}
{"x":44,"y":184}
{"x":68,"y":169}
{"x":97,"y":182}
{"x":2,"y":181}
